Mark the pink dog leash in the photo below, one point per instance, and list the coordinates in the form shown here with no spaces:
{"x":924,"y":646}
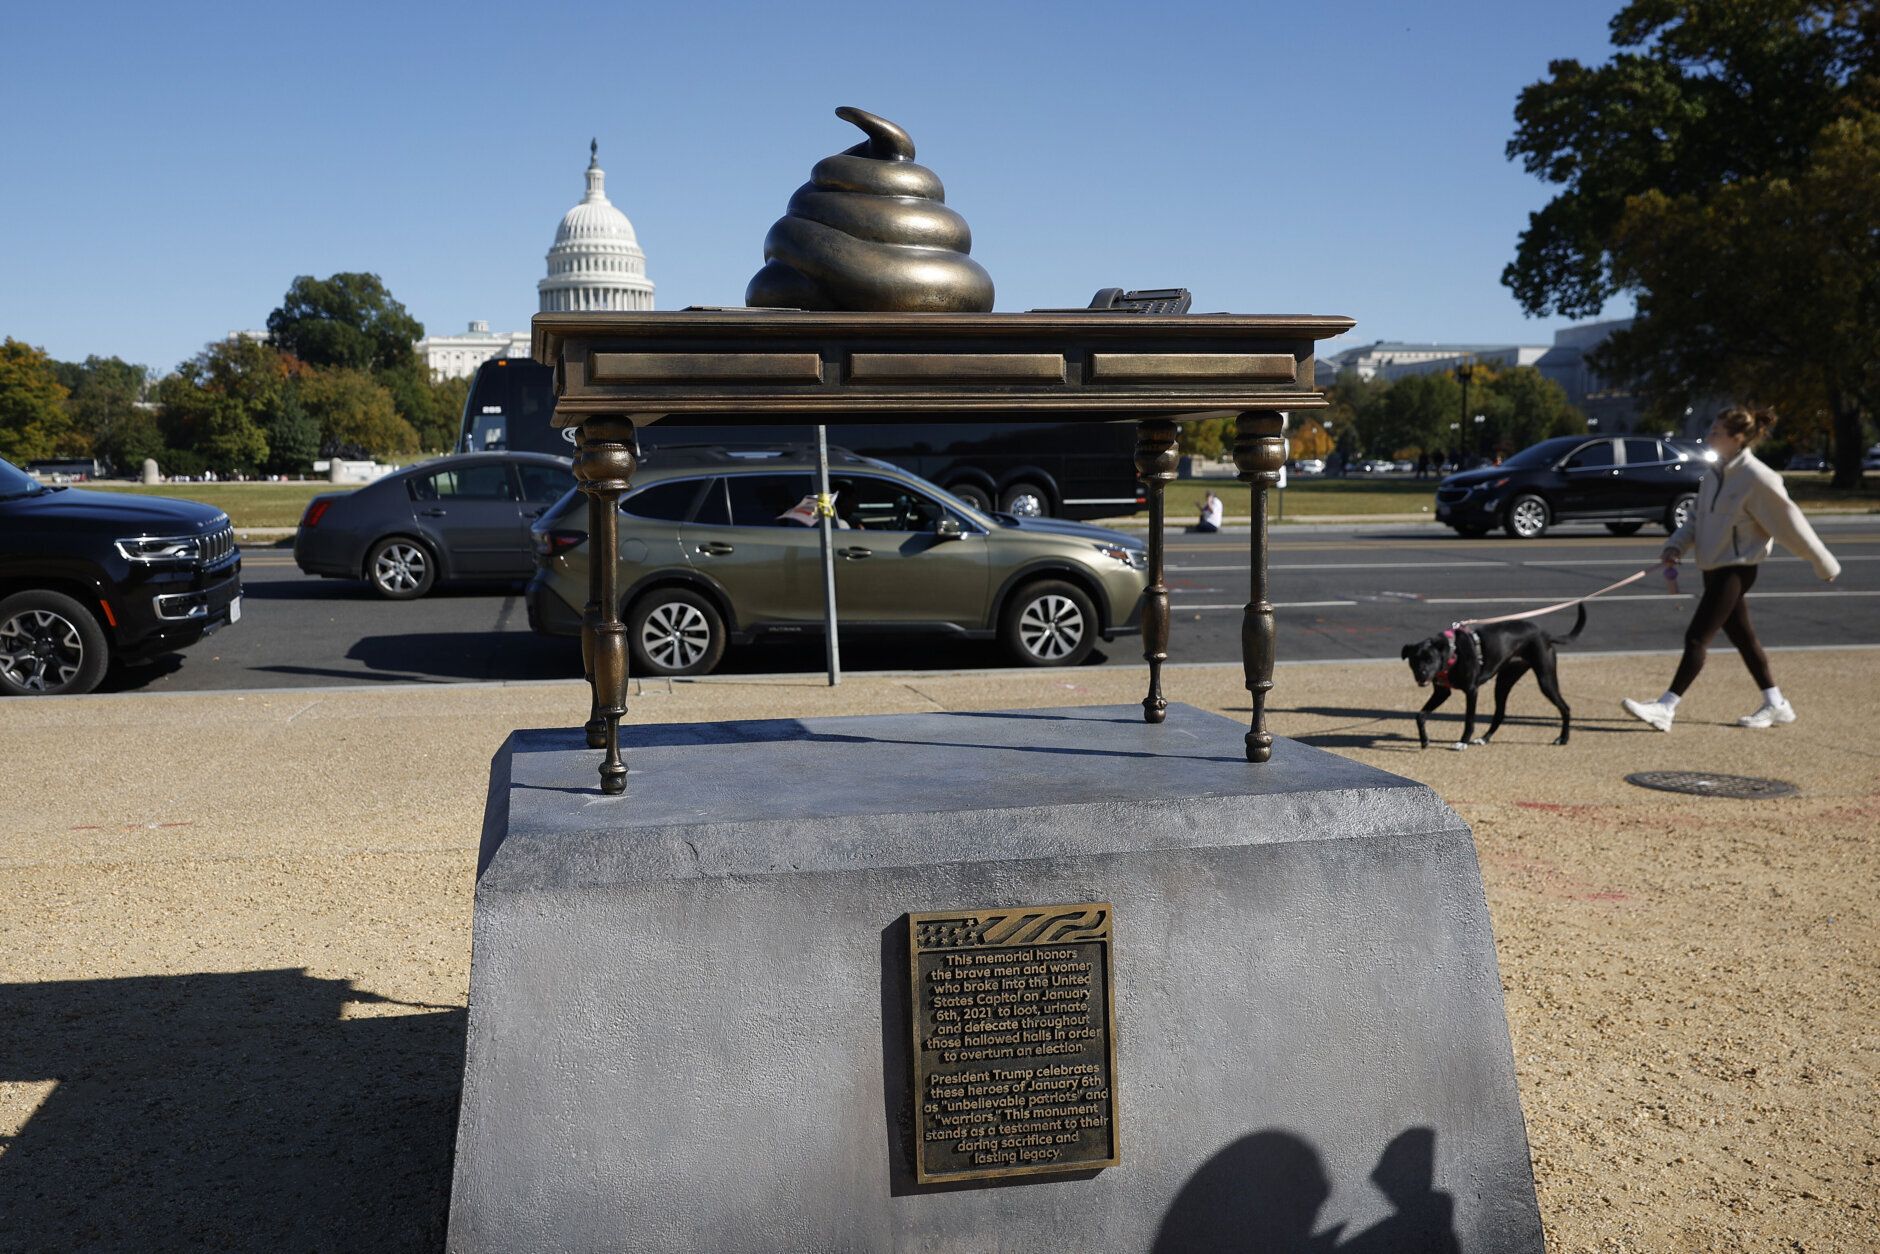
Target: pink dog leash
{"x":1564,"y":605}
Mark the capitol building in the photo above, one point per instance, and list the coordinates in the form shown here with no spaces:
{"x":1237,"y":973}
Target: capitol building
{"x":594,"y":264}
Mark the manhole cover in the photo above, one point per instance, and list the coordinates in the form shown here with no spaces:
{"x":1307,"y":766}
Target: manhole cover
{"x":1703,"y":784}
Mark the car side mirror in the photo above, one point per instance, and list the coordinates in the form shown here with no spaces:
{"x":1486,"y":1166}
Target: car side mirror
{"x":948,"y":529}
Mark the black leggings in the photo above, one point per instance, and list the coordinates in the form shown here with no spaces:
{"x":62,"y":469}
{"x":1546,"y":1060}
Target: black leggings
{"x":1724,"y":604}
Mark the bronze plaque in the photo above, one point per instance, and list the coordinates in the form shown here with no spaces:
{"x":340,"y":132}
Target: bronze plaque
{"x":1014,"y":1020}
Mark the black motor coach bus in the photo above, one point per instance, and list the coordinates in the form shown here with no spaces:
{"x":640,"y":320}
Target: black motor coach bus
{"x":1034,"y":469}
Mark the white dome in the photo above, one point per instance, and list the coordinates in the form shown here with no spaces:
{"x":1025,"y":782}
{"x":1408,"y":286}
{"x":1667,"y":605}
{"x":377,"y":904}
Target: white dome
{"x":596,"y":262}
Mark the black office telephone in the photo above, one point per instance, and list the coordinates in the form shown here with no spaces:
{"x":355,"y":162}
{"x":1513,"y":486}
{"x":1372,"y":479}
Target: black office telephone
{"x":1154,"y":300}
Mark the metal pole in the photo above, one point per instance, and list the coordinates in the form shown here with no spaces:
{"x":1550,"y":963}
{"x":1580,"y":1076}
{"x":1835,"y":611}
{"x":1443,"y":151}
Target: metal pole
{"x":825,"y":510}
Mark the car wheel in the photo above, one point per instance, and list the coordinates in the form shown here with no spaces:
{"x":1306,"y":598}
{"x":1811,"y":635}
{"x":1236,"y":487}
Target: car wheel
{"x":1679,"y":513}
{"x":675,"y":631}
{"x":401,"y":569}
{"x":50,"y":645}
{"x":1527,"y":518}
{"x":1473,"y":531}
{"x":1624,"y":528}
{"x":973,"y":495}
{"x":1049,"y":623}
{"x":1027,"y":500}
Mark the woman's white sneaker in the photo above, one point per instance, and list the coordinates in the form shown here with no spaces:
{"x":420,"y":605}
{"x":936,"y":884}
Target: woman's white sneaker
{"x":1769,"y":715}
{"x":1657,"y":713}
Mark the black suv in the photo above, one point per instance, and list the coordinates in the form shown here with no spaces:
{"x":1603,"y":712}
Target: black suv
{"x":1622,"y":481}
{"x":89,"y":578}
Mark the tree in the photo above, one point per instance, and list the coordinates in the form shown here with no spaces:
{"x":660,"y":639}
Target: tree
{"x":217,"y":404}
{"x":1680,"y":159}
{"x":448,"y":397}
{"x":349,"y":321}
{"x":33,"y":421}
{"x":1770,"y":288}
{"x":103,"y":406}
{"x":1415,"y":413}
{"x":293,"y":434}
{"x":350,"y":407}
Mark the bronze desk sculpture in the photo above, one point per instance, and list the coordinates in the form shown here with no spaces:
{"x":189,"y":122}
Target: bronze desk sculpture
{"x":869,"y":309}
{"x":728,"y":366}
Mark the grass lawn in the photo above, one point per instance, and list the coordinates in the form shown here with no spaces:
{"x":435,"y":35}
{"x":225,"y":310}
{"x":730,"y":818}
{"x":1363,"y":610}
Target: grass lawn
{"x":1811,"y":491}
{"x":247,"y":504}
{"x":1307,"y":497}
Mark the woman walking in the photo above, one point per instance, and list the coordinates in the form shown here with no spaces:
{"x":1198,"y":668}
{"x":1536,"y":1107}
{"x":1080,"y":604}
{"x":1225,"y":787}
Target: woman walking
{"x":1741,"y":508}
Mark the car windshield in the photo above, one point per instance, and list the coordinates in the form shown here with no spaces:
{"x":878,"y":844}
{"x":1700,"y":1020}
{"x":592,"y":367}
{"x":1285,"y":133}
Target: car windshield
{"x":936,"y":491}
{"x":1541,"y":454}
{"x":16,"y":482}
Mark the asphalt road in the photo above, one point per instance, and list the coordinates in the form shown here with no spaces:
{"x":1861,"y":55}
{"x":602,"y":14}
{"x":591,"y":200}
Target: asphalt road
{"x":1339,"y":593}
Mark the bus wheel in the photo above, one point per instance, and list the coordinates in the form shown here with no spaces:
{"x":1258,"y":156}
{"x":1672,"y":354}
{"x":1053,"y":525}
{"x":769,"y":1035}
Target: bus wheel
{"x":1027,"y":500}
{"x":973,"y":495}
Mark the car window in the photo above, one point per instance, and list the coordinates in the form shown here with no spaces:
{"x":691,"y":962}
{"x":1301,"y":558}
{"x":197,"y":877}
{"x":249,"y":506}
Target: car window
{"x":1598,"y":453}
{"x":1640,"y":451}
{"x":666,"y":502}
{"x":542,"y":483}
{"x":486,"y":482}
{"x":769,"y":500}
{"x":871,"y":504}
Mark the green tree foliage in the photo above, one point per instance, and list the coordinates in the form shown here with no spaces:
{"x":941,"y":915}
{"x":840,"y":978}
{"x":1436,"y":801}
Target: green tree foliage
{"x":350,"y":407}
{"x":1769,"y":288}
{"x":1683,"y":162}
{"x":292,"y":433}
{"x":215,"y":406}
{"x":448,"y":397}
{"x":33,"y":421}
{"x":1414,"y":414}
{"x":349,"y":321}
{"x":104,"y":407}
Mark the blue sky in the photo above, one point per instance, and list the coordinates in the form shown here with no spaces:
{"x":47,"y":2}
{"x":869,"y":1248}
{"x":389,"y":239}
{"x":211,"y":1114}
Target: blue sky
{"x":169,"y":169}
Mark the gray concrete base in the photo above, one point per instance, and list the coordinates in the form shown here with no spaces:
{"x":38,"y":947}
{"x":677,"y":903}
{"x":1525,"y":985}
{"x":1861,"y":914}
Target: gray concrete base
{"x":688,"y":1005}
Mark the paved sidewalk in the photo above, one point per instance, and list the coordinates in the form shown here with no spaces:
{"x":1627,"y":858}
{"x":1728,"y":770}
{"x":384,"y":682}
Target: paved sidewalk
{"x":236,"y":944}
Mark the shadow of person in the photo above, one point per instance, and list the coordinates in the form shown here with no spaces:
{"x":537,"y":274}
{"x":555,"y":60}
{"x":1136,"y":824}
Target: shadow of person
{"x":1424,"y":1222}
{"x":244,"y":1110}
{"x":1259,"y":1195}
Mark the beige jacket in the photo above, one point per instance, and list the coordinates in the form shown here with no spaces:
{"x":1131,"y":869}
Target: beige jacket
{"x":1742,"y":507}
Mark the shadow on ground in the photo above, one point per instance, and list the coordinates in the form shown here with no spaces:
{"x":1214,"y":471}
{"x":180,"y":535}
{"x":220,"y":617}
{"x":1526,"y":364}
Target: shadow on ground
{"x":233,"y":1111}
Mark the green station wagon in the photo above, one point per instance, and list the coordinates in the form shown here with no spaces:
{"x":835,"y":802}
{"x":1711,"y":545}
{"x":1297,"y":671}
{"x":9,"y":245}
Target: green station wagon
{"x":720,"y":546}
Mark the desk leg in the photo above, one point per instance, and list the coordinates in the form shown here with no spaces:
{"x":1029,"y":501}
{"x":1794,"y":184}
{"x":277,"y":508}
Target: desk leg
{"x":590,"y":619}
{"x":1157,"y":456}
{"x":1259,"y":452}
{"x":604,"y":469}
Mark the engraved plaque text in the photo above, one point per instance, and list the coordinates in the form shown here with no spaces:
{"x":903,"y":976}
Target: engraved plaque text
{"x":1014,"y":1022}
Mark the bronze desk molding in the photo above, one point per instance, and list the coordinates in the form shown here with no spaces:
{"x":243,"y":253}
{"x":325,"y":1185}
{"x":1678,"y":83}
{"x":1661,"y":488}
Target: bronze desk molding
{"x":616,"y":371}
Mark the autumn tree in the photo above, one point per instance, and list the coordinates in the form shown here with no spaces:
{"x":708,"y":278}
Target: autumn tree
{"x":1719,"y":169}
{"x":33,"y":421}
{"x":349,"y":407}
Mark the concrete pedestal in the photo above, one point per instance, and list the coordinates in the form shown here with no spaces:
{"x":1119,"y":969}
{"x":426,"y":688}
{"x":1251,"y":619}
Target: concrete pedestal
{"x":688,"y":1015}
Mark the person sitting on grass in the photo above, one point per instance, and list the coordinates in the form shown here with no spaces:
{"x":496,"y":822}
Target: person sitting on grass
{"x":1211,"y":513}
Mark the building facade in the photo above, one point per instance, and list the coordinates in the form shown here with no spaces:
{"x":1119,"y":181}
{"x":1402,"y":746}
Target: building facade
{"x":458,"y":356}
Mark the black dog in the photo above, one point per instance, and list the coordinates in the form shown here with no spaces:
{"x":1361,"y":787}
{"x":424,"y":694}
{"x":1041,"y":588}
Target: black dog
{"x":1467,"y":657}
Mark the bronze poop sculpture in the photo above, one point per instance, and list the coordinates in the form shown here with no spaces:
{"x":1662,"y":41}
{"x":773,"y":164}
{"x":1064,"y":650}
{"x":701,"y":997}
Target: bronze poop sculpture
{"x":871,"y":232}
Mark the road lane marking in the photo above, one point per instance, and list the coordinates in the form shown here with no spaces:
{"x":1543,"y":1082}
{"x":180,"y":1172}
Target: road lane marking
{"x":1627,"y":561}
{"x":1401,"y":600}
{"x":1350,"y":566}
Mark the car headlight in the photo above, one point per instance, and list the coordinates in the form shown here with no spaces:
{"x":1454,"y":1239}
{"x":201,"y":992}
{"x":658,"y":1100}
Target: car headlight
{"x":161,"y":548}
{"x":1135,"y":559}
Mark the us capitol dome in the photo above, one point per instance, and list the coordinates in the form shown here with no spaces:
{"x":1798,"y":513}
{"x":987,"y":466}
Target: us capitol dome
{"x":596,"y":262}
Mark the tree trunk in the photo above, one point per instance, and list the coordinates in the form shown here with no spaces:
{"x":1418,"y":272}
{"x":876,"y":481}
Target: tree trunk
{"x":1849,"y":442}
